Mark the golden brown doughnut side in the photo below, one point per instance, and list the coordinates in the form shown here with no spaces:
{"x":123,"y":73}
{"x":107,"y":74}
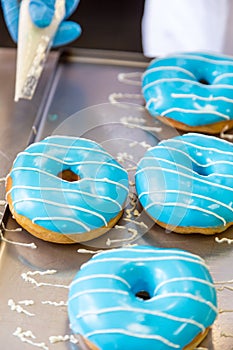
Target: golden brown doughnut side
{"x":190,"y":229}
{"x":197,"y":340}
{"x":215,"y":128}
{"x":91,"y":345}
{"x":51,"y":236}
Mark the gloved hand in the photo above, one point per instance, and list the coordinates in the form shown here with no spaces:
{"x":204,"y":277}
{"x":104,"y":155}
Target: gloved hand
{"x":41,"y":12}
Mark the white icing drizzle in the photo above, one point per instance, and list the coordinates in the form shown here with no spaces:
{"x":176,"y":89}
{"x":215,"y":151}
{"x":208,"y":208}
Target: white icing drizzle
{"x":199,"y":111}
{"x":27,"y":336}
{"x":115,"y":97}
{"x":142,"y":143}
{"x":223,"y":240}
{"x":62,"y":161}
{"x":133,"y":168}
{"x":54,"y":303}
{"x":57,"y":145}
{"x":139,"y":223}
{"x":221,"y":76}
{"x":26,"y":245}
{"x":132,"y":119}
{"x":123,"y":156}
{"x":88,"y":251}
{"x":26,"y":277}
{"x":189,"y":194}
{"x":133,"y":334}
{"x":188,"y":206}
{"x":166,"y":68}
{"x":3,"y":202}
{"x":133,"y":236}
{"x":127,"y":78}
{"x":190,"y":82}
{"x":68,"y":206}
{"x":223,"y":62}
{"x":26,"y":302}
{"x":227,"y":335}
{"x":82,"y":180}
{"x":58,"y":218}
{"x":189,"y":296}
{"x":18,"y":308}
{"x":105,"y":276}
{"x":192,"y":160}
{"x":204,"y":148}
{"x":18,"y":229}
{"x":63,"y":190}
{"x":225,"y":287}
{"x":187,"y":176}
{"x":143,"y":127}
{"x":174,"y":280}
{"x":162,"y":258}
{"x":142,"y":311}
{"x":224,"y":282}
{"x":63,"y":338}
{"x":221,"y":311}
{"x":226,"y":136}
{"x":102,"y":290}
{"x":34,"y":130}
{"x":202,"y":98}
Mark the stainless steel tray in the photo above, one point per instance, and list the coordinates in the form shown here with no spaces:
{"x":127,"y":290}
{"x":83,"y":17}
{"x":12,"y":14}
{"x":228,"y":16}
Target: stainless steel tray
{"x":76,"y":102}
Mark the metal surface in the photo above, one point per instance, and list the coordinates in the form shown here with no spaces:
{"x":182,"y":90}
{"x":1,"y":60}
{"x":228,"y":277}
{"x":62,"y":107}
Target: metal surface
{"x":83,"y":79}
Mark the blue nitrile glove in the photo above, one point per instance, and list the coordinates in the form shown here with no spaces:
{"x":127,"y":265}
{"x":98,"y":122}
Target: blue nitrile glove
{"x":42,"y":12}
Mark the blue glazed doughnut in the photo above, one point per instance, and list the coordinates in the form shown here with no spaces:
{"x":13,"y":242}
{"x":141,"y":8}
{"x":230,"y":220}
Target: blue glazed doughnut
{"x":186,"y":184}
{"x":191,"y":91}
{"x":66,"y":189}
{"x":105,"y":307}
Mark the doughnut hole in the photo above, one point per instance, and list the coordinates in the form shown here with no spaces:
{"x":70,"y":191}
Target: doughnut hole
{"x":140,"y":279}
{"x":203,"y":81}
{"x":68,"y":175}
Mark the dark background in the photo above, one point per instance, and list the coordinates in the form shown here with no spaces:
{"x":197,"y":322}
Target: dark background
{"x":106,"y":24}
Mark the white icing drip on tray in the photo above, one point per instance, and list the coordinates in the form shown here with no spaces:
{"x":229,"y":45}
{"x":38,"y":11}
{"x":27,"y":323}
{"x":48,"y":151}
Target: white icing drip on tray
{"x":223,"y":240}
{"x":128,"y":78}
{"x":54,"y":303}
{"x":88,"y":251}
{"x":27,"y":336}
{"x":133,"y":236}
{"x":63,"y":338}
{"x":26,"y":245}
{"x":115,"y":97}
{"x":18,"y":308}
{"x":26,"y":277}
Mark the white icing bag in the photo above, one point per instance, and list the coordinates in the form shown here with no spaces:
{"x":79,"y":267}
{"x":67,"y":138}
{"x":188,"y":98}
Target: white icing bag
{"x":33,"y":46}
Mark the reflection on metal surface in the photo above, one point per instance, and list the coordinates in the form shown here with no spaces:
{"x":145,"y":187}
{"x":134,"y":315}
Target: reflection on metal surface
{"x":73,"y":89}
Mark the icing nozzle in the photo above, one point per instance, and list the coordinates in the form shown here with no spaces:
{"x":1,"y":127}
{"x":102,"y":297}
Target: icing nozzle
{"x":34,"y":44}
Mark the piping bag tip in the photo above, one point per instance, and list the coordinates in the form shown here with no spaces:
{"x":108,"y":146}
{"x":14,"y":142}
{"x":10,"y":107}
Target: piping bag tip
{"x":34,"y":44}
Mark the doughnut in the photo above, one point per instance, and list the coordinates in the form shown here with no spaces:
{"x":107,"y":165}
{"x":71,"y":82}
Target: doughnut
{"x":185,"y":184}
{"x":132,"y":298}
{"x":66,"y":189}
{"x":191,"y":91}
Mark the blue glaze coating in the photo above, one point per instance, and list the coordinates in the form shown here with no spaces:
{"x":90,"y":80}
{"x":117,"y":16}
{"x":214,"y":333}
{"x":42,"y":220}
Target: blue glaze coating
{"x":187,"y":181}
{"x":62,"y":206}
{"x":103,"y":307}
{"x":171,"y":87}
